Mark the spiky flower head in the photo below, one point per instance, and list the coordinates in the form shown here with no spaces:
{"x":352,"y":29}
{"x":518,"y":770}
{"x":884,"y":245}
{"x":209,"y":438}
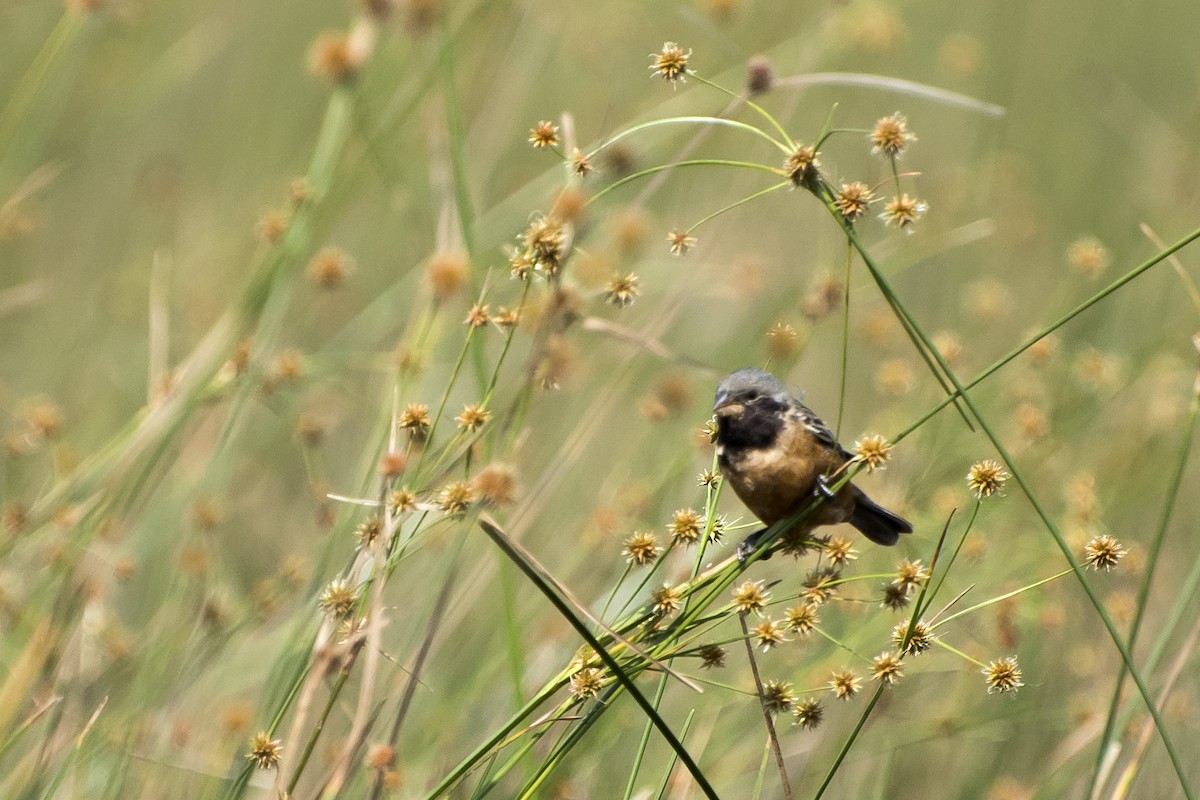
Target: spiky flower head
{"x":767,"y":634}
{"x":545,"y":245}
{"x":750,"y":596}
{"x":1103,"y":552}
{"x":455,"y":498}
{"x":709,"y":479}
{"x":415,"y":420}
{"x":987,"y":478}
{"x":403,"y":500}
{"x":808,"y":714}
{"x":686,"y":526}
{"x":473,"y":417}
{"x":895,"y":596}
{"x":622,"y":290}
{"x":666,"y":600}
{"x":641,"y":549}
{"x":587,"y":683}
{"x":885,"y":668}
{"x":844,"y":684}
{"x":819,"y":585}
{"x":338,"y":598}
{"x":891,"y":136}
{"x":368,"y":532}
{"x":681,"y":243}
{"x":1003,"y":676}
{"x":265,"y":751}
{"x":874,"y":451}
{"x":581,"y":165}
{"x":802,"y":619}
{"x":544,"y":134}
{"x":712,"y":655}
{"x":910,"y":575}
{"x":920,"y":641}
{"x":903,"y":212}
{"x":777,"y":696}
{"x":478,"y":316}
{"x":801,"y":166}
{"x":853,"y":199}
{"x":671,"y":62}
{"x":840,"y":551}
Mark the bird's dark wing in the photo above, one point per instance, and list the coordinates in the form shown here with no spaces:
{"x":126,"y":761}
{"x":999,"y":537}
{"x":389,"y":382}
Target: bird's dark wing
{"x":819,"y":429}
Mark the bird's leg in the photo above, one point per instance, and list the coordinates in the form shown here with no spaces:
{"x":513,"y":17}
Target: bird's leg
{"x":822,"y":488}
{"x":749,"y":545}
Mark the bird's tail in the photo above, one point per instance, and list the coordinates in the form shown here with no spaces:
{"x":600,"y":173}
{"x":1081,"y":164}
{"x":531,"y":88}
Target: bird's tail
{"x":876,"y":522}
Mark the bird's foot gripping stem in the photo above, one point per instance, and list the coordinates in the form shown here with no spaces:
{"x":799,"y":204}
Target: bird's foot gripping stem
{"x":748,"y":545}
{"x":822,"y":488}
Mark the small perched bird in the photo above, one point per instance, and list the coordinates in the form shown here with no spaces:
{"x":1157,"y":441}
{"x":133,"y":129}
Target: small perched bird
{"x":778,"y":455}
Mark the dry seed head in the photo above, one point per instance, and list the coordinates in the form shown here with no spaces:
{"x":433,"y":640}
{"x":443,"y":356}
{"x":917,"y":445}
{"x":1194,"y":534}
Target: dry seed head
{"x":392,"y":464}
{"x":415,"y":420}
{"x":712,"y":656}
{"x":329,"y":268}
{"x":507,"y":318}
{"x":473,"y":417}
{"x":777,"y":696}
{"x":1088,"y":256}
{"x":455,"y":498}
{"x":478,"y":316}
{"x":782,"y":340}
{"x":681,"y":243}
{"x":759,"y":75}
{"x":671,"y":62}
{"x":272,"y":225}
{"x":840,"y":551}
{"x":686,"y":526}
{"x":641,"y":549}
{"x":903,"y":212}
{"x":666,"y":600}
{"x":818,"y":585}
{"x":544,"y":134}
{"x":496,"y":485}
{"x":767,"y":634}
{"x":337,"y":56}
{"x":338,"y":598}
{"x":844,"y":684}
{"x":1003,"y":676}
{"x":920,"y":641}
{"x":853,"y":199}
{"x":581,"y":165}
{"x":910,"y":575}
{"x":1103,"y":552}
{"x":801,"y":166}
{"x":368,"y":532}
{"x":545,"y":245}
{"x":446,"y":273}
{"x":808,"y":714}
{"x":750,"y":596}
{"x":622,"y":290}
{"x":403,"y":500}
{"x":587,"y":683}
{"x":265,"y":751}
{"x":874,"y":451}
{"x":381,"y":758}
{"x":987,"y":478}
{"x":895,"y":597}
{"x":885,"y":668}
{"x":802,"y":619}
{"x":891,"y":136}
{"x":709,"y":479}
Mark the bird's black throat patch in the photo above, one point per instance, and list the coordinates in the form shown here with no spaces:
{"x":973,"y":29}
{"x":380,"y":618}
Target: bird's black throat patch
{"x":757,"y":426}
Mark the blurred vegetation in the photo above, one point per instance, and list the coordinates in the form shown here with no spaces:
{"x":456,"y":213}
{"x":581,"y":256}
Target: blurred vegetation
{"x":238,"y":239}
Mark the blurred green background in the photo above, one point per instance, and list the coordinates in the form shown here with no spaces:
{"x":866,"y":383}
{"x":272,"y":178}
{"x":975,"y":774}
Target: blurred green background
{"x":140,"y":144}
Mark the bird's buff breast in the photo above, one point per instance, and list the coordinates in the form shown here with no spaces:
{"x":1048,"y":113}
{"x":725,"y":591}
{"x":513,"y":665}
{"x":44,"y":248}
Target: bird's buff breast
{"x":778,"y":481}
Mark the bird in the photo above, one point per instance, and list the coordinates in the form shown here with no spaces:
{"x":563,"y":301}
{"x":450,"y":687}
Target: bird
{"x":779,"y":456}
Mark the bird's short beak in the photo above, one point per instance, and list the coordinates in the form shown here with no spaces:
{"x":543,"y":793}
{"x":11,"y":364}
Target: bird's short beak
{"x":724,"y":406}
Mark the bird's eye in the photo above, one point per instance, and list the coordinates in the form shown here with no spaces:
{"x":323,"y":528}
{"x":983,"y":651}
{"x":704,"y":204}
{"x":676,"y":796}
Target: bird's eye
{"x":751,"y":396}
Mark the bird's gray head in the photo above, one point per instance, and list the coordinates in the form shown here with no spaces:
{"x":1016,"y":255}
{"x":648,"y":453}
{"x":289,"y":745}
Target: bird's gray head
{"x":748,"y":386}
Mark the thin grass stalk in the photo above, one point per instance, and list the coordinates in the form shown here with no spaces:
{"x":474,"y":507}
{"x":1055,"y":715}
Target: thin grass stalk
{"x":615,"y":668}
{"x":1185,"y":449}
{"x":772,"y":737}
{"x":1026,"y":487}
